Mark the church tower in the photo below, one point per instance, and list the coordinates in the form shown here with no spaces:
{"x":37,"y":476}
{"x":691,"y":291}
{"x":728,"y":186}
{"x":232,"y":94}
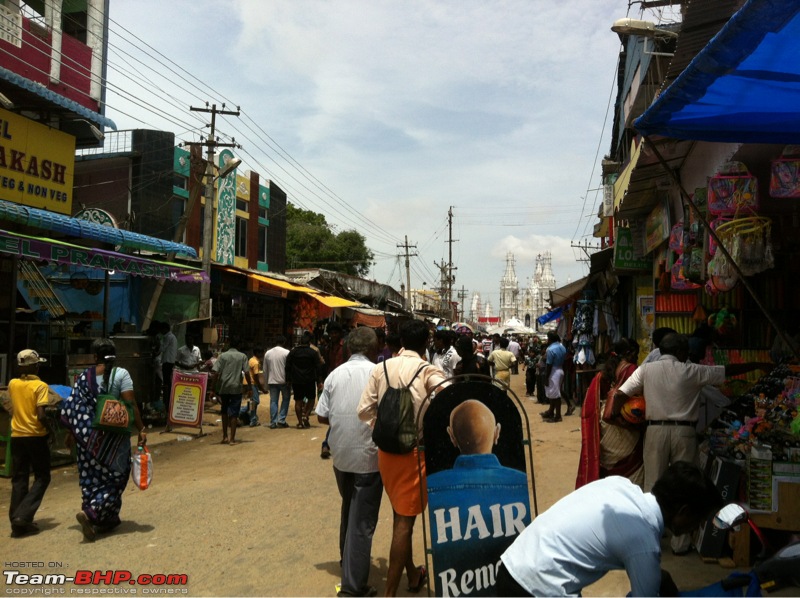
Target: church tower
{"x":509,"y":291}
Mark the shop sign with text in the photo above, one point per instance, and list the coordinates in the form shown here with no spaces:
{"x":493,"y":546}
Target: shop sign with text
{"x":36,"y":164}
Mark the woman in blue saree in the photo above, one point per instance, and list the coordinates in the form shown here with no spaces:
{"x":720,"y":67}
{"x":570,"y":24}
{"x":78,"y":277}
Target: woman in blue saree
{"x":104,"y":458}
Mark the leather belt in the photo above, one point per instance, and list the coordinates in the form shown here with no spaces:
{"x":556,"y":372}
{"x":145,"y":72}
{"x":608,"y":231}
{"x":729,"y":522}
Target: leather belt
{"x":670,"y":422}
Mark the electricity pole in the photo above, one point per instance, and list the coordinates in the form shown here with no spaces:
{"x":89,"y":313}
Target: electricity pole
{"x":462,"y":294}
{"x":450,"y":268}
{"x":406,"y":246}
{"x":211,"y":144}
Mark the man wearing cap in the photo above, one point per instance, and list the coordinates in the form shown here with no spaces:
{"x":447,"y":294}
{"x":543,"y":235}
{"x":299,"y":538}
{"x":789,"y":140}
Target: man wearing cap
{"x":29,"y":450}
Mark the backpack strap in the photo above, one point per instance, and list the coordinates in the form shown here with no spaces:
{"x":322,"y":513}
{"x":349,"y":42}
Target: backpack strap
{"x":410,"y":382}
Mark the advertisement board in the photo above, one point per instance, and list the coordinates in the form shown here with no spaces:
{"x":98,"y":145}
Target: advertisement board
{"x":188,"y":398}
{"x":478,"y":491}
{"x":36,"y":164}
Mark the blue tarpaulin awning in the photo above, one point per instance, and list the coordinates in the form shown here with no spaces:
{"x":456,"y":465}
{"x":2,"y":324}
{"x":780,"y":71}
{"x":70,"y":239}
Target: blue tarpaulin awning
{"x":74,"y":227}
{"x":51,"y":96}
{"x":743,"y":87}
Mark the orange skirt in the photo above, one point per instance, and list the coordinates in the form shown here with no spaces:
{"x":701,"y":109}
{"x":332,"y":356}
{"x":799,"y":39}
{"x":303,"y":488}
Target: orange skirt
{"x":401,"y":479}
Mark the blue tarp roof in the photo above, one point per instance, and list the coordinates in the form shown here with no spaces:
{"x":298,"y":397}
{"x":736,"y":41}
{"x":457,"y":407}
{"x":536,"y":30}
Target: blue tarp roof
{"x":84,"y":229}
{"x":743,"y":87}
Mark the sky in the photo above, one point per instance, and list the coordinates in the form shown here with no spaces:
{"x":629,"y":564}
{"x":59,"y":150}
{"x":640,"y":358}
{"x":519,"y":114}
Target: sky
{"x":385,"y":115}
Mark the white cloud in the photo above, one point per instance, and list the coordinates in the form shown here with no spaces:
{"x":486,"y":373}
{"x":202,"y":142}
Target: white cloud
{"x":404,"y":109}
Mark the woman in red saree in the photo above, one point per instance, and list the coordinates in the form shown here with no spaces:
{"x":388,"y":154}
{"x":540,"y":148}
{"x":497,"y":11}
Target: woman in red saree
{"x":610,"y":449}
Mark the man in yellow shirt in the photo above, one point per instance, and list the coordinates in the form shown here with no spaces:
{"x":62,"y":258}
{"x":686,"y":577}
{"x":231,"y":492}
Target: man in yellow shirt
{"x":502,"y":359}
{"x":29,"y":450}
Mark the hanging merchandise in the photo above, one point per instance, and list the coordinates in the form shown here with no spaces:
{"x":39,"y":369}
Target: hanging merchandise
{"x":678,"y":279}
{"x":749,"y":241}
{"x":715,"y":224}
{"x":584,"y":351}
{"x":584,"y":318}
{"x":785,"y":179}
{"x":723,"y":322}
{"x":732,"y":190}
{"x":694,"y":265}
{"x":676,"y":238}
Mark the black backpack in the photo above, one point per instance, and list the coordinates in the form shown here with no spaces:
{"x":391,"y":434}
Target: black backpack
{"x":395,"y":428}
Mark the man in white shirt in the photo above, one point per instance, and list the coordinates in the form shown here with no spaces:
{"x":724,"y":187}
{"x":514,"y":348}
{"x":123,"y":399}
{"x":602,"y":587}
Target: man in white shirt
{"x":274,"y":367}
{"x":606,"y":525}
{"x":188,"y":356}
{"x":446,"y":357}
{"x":355,"y":459}
{"x":671,"y":387}
{"x":169,"y":354}
{"x":516,"y":349}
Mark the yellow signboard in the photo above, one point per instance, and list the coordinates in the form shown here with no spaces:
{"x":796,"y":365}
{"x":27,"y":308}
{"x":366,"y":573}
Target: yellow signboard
{"x":37,"y":164}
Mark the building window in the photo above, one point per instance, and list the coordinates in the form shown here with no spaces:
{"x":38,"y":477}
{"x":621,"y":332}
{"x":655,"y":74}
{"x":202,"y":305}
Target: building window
{"x":262,"y":213}
{"x":262,"y":244}
{"x":241,"y":237}
{"x":241,"y":205}
{"x":180,"y":182}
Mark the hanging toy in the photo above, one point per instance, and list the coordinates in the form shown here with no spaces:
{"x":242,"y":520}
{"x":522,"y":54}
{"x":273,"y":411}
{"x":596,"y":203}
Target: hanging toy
{"x":723,"y":322}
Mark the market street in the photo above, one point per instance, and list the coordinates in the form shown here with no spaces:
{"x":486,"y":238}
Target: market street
{"x":260,"y":518}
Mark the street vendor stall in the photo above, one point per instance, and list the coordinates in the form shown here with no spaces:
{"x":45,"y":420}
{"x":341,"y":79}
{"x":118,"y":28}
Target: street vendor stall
{"x":743,"y":87}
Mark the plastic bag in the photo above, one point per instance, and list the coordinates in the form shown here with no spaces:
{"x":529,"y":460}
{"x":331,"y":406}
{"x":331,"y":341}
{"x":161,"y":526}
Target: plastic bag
{"x":142,"y":470}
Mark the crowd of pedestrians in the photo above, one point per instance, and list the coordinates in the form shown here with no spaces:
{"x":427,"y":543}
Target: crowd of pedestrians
{"x":349,"y":372}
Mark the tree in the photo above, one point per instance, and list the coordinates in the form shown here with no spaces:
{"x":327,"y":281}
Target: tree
{"x":312,"y":243}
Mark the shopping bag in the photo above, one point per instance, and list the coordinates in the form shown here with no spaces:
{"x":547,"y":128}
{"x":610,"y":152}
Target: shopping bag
{"x":142,"y":470}
{"x":112,"y":414}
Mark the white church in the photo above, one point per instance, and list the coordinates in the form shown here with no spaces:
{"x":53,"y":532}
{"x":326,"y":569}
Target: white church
{"x":524,"y":305}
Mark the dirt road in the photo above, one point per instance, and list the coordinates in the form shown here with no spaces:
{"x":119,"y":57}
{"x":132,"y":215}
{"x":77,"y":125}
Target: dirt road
{"x":258,"y":519}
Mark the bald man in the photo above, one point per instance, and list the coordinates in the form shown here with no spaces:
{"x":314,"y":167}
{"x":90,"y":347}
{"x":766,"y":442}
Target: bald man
{"x":473,"y":429}
{"x":478,"y":507}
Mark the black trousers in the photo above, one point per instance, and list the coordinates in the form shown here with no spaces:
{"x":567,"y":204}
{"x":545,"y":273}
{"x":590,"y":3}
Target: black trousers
{"x":166,"y":372}
{"x":530,"y":381}
{"x":28,"y":454}
{"x":505,"y":585}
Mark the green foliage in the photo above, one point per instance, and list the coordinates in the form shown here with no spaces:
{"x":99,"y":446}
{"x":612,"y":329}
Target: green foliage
{"x":311,"y":243}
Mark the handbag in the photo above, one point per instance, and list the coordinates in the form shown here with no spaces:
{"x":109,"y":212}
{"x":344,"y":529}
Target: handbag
{"x":112,"y":414}
{"x":142,"y":470}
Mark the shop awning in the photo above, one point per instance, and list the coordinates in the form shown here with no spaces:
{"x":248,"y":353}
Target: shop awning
{"x":742,"y":87}
{"x":567,"y":293}
{"x":83,"y":229}
{"x":53,"y":251}
{"x":648,"y":177}
{"x":373,"y":318}
{"x":324,"y":298}
{"x":37,"y":89}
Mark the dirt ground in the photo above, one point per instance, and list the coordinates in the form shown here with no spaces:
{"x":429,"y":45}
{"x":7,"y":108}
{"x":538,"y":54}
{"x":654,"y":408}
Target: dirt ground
{"x":260,"y":518}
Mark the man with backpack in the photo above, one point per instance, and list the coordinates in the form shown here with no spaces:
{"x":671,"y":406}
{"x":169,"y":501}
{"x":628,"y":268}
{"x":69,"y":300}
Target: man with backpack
{"x":400,"y":471}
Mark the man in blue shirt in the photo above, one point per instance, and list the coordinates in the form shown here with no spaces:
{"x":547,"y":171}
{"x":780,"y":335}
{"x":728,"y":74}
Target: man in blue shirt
{"x":554,"y":358}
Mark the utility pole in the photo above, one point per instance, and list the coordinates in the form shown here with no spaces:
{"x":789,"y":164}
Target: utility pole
{"x":462,"y":294}
{"x":211,"y":144}
{"x":194,"y":194}
{"x":585,"y":247}
{"x":450,"y":268}
{"x":444,"y":305}
{"x":406,"y":246}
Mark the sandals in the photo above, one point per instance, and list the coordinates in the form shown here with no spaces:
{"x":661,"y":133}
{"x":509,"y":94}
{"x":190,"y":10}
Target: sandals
{"x":423,"y":579}
{"x":89,"y":531}
{"x":571,"y":410}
